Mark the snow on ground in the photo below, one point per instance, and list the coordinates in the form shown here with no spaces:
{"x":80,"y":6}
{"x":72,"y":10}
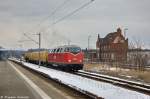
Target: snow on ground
{"x":107,"y":76}
{"x":101,"y":89}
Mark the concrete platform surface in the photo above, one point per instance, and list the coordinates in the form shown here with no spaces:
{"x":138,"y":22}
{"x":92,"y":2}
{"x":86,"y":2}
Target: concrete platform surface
{"x":13,"y":86}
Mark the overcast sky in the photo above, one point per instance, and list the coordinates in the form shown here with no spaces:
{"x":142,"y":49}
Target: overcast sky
{"x":101,"y":16}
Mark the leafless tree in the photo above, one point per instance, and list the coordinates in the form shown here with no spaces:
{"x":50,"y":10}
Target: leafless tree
{"x":136,"y":56}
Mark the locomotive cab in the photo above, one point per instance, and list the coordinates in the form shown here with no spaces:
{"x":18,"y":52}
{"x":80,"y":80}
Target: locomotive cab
{"x":68,"y":57}
{"x":74,"y":57}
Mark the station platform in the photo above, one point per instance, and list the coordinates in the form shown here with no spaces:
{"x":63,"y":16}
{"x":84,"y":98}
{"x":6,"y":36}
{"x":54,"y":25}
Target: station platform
{"x":17,"y":82}
{"x":12,"y":85}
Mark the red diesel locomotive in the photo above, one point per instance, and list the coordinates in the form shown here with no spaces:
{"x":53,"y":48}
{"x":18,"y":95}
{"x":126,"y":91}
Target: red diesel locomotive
{"x":68,"y":57}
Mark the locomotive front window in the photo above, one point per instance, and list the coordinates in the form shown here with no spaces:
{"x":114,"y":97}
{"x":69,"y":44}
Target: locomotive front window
{"x":73,"y":50}
{"x":54,"y":51}
{"x":67,"y":49}
{"x":61,"y":49}
{"x":58,"y":50}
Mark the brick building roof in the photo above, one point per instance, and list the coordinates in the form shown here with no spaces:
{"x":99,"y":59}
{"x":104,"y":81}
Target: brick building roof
{"x":109,"y":38}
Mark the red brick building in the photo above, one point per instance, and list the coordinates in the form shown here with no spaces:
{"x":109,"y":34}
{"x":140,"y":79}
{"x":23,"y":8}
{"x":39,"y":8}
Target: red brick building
{"x":112,"y":48}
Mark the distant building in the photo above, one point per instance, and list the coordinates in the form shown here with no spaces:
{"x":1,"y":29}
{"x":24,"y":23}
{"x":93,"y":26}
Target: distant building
{"x":112,"y":48}
{"x":6,"y":53}
{"x":138,"y":57}
{"x":90,"y":54}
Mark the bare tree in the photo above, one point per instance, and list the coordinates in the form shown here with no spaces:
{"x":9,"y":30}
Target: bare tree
{"x":136,"y":56}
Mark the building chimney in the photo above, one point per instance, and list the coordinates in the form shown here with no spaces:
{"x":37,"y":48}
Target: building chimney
{"x":119,"y":31}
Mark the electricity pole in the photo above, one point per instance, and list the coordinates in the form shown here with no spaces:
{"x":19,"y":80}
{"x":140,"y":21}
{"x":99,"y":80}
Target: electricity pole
{"x":89,"y":41}
{"x":39,"y":34}
{"x":69,"y":42}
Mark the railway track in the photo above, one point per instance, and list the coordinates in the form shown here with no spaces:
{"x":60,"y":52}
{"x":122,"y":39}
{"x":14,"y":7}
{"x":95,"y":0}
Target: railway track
{"x":143,"y":88}
{"x":137,"y":86}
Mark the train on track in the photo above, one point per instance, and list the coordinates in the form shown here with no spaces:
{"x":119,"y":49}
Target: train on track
{"x":67,"y":57}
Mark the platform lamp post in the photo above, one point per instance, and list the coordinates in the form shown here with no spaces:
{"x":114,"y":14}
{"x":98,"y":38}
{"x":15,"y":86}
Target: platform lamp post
{"x":89,"y":41}
{"x":89,"y":46}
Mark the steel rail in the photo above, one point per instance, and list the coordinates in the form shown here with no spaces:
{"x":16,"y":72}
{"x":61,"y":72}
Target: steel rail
{"x":138,"y":86}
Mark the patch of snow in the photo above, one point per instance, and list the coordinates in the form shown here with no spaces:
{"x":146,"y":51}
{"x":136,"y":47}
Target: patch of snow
{"x":101,"y":89}
{"x":107,"y":76}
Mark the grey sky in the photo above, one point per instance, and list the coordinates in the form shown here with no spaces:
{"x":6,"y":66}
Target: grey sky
{"x":101,"y":16}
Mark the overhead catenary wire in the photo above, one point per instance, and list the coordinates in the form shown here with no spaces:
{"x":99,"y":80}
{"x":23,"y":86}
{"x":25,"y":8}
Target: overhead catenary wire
{"x":49,"y":16}
{"x":31,"y":39}
{"x":70,"y":14}
{"x":66,"y":16}
{"x":76,"y":10}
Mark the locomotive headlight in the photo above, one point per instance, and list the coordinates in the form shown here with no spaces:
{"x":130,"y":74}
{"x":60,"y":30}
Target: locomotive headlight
{"x":69,"y":60}
{"x":80,"y":60}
